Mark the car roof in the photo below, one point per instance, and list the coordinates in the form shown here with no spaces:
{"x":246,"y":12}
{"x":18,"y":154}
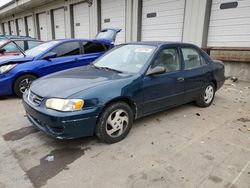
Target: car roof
{"x":160,"y":43}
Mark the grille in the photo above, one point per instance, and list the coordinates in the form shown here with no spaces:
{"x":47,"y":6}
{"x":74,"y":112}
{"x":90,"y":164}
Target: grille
{"x":34,"y":99}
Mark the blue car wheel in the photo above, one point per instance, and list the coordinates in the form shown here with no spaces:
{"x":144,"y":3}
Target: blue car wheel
{"x":22,"y":84}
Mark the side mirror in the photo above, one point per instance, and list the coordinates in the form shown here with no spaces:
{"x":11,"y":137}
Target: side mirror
{"x":2,"y":50}
{"x":49,"y":55}
{"x":156,"y":70}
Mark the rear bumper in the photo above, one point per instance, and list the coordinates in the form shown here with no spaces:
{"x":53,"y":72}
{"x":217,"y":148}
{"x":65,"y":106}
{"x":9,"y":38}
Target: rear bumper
{"x":63,"y":125}
{"x":220,"y":83}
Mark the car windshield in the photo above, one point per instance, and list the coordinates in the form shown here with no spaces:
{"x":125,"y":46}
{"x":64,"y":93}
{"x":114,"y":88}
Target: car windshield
{"x":127,"y":58}
{"x":40,"y":48}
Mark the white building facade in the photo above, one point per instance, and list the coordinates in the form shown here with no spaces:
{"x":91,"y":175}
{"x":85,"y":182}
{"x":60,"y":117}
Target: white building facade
{"x":221,"y":26}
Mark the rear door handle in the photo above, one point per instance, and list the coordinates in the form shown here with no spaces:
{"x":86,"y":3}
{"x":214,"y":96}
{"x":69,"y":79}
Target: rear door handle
{"x":180,"y":79}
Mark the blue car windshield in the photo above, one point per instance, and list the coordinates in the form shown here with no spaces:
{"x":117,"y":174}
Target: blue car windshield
{"x":40,"y":48}
{"x":128,"y":58}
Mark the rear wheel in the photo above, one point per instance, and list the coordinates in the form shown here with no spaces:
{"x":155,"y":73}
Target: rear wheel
{"x":115,"y":123}
{"x":207,"y":96}
{"x":22,"y":84}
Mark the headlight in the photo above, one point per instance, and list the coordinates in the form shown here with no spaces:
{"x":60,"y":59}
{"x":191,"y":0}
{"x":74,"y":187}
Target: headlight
{"x":65,"y":105}
{"x":6,"y":68}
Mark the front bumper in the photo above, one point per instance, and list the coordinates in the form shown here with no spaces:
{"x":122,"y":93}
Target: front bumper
{"x":62,"y":125}
{"x":6,"y":82}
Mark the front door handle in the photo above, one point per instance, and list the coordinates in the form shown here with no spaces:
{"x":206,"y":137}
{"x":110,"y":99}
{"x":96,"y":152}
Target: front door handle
{"x":180,"y":79}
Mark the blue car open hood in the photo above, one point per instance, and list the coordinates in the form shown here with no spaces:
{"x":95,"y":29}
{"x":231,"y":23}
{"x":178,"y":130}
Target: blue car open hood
{"x":5,"y":60}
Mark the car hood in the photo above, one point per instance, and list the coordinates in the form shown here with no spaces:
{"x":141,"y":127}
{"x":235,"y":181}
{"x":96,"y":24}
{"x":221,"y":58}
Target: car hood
{"x":66,"y":83}
{"x":4,"y":60}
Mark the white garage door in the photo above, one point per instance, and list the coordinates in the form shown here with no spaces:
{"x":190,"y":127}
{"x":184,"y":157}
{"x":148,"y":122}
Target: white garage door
{"x":229,"y":24}
{"x":42,"y":26}
{"x":30,"y":26}
{"x":81,"y":20}
{"x":162,"y":20}
{"x":6,"y":28}
{"x":113,"y":15}
{"x":59,"y":23}
{"x":1,"y":29}
{"x":20,"y":26}
{"x":13,"y":27}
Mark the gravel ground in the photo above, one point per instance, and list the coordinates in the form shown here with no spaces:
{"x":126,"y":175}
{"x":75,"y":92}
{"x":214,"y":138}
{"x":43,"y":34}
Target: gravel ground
{"x":182,"y":147}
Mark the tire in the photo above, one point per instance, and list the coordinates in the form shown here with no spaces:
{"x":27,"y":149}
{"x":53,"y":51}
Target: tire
{"x":207,"y":96}
{"x":22,"y":83}
{"x":114,"y":123}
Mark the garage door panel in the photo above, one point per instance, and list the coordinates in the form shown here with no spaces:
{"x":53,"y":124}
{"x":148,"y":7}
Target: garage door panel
{"x":42,"y":20}
{"x":113,"y":15}
{"x":238,"y":21}
{"x":231,"y":38}
{"x":162,"y":33}
{"x":6,"y":28}
{"x":157,"y":2}
{"x":241,"y":4}
{"x":166,"y":38}
{"x":167,"y":13}
{"x":229,"y":26}
{"x":243,"y":12}
{"x":21,"y":28}
{"x":231,"y":43}
{"x":227,"y":30}
{"x":113,"y":7}
{"x":13,"y":27}
{"x":162,"y":20}
{"x":59,"y":23}
{"x":166,"y":6}
{"x":81,"y":20}
{"x":30,"y":26}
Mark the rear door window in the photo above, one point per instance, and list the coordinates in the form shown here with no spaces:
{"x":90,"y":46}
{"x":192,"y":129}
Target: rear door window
{"x":192,"y":58}
{"x":92,"y":47}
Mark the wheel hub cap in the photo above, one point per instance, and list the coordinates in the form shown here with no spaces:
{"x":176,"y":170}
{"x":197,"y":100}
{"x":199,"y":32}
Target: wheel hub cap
{"x":209,"y":94}
{"x":25,"y":84}
{"x":117,"y":123}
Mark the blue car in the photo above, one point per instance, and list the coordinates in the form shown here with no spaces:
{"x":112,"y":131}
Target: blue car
{"x":18,"y":72}
{"x":130,"y":81}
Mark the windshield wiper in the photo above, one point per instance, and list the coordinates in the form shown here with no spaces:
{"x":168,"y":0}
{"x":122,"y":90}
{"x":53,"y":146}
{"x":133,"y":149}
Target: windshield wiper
{"x":106,"y":68}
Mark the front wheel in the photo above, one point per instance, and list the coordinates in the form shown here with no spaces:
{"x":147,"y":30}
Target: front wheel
{"x":114,"y":123}
{"x":22,"y":84}
{"x":207,"y":96}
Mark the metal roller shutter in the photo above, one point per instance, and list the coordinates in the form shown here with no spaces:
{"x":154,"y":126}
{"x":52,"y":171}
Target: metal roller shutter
{"x":229,"y":24}
{"x":59,"y":23}
{"x":6,"y":28}
{"x":30,"y":26}
{"x":1,"y":29}
{"x":113,"y":15}
{"x":20,"y":26}
{"x":81,"y":20}
{"x":42,"y":26}
{"x":162,"y":20}
{"x":12,"y":27}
